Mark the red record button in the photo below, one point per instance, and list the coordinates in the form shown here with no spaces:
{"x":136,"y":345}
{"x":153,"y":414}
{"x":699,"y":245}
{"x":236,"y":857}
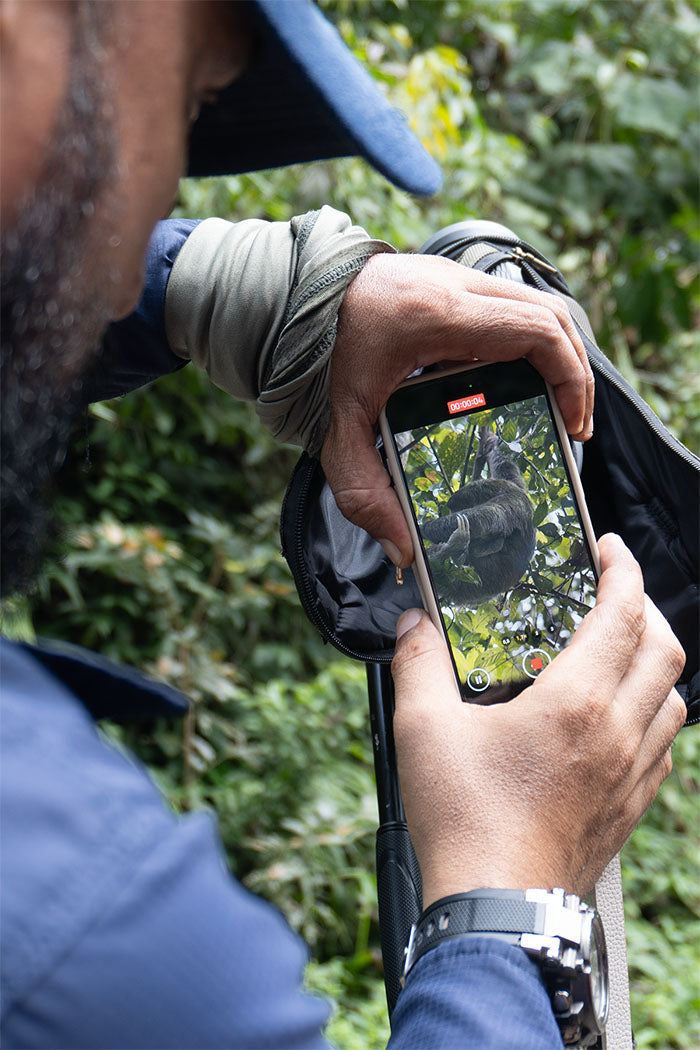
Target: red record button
{"x":535,"y":661}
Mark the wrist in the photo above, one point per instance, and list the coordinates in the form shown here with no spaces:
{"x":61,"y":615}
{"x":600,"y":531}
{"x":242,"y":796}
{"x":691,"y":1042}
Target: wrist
{"x":435,"y":890}
{"x":557,"y":930}
{"x":443,"y":878}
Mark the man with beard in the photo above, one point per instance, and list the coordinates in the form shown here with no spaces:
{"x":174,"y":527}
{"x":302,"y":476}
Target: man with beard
{"x":120,"y":925}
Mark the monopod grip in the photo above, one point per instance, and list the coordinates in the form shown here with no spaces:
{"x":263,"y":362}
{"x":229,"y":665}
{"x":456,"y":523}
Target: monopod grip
{"x":400,"y":895}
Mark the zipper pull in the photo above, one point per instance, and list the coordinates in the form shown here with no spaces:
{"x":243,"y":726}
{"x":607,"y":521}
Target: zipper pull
{"x":519,"y":253}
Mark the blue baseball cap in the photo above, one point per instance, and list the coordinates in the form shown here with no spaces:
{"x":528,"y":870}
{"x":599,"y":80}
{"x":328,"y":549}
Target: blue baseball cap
{"x":303,"y":96}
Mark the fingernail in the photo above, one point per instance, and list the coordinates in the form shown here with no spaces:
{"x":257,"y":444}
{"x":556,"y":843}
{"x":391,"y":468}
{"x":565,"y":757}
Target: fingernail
{"x":407,"y":621}
{"x":392,"y":551}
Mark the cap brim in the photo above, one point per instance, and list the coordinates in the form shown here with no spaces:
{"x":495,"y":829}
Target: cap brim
{"x":305,"y":97}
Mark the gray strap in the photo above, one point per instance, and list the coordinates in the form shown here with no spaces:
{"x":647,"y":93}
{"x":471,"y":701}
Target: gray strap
{"x":608,"y":890}
{"x":474,"y":253}
{"x":608,"y":901}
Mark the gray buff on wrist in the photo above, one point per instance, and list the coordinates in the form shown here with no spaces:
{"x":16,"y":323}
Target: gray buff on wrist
{"x":255,"y":305}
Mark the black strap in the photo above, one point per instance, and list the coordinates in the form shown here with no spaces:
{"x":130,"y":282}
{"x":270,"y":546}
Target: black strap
{"x":502,"y":913}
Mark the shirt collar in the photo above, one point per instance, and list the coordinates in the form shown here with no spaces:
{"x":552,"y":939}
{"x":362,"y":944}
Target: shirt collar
{"x":107,"y":689}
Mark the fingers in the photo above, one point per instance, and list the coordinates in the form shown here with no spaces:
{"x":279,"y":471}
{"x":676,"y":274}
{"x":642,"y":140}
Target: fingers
{"x":618,"y":826}
{"x":537,"y":326}
{"x":363,"y":492}
{"x":647,"y":789}
{"x":575,"y":386}
{"x":667,"y":722}
{"x":642,"y":792}
{"x":402,"y":312}
{"x":618,"y":674}
{"x":627,"y":640}
{"x":423,"y":675}
{"x":655,"y":667}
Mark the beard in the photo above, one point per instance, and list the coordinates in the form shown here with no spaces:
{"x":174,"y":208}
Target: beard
{"x":54,"y":306}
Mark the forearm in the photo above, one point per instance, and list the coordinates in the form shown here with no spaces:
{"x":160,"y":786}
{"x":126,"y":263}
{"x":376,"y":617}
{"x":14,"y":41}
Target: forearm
{"x":255,"y":305}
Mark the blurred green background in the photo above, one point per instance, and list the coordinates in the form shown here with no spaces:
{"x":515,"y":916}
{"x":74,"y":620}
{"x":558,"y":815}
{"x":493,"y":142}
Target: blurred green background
{"x":575,"y":122}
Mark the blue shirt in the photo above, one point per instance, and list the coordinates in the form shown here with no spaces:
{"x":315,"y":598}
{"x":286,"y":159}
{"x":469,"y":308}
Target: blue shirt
{"x":121,"y":926}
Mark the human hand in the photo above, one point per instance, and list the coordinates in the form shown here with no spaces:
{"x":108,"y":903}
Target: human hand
{"x":405,"y":311}
{"x":543,"y":790}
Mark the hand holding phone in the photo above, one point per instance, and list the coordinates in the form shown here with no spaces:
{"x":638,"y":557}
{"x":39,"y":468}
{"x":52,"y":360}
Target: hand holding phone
{"x":406,"y":311}
{"x":505,"y":555}
{"x":543,"y":791}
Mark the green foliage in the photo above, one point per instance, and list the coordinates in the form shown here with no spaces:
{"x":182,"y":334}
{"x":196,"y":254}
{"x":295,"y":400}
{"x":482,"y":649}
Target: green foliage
{"x":204,"y":599}
{"x":359,"y":1020}
{"x":573,"y":121}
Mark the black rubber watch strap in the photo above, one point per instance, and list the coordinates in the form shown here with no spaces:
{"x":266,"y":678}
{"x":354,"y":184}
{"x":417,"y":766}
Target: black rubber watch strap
{"x":504,"y":914}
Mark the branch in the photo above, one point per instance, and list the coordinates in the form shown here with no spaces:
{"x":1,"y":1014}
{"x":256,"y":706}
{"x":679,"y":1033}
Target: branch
{"x":554,"y":592}
{"x":439,"y":463}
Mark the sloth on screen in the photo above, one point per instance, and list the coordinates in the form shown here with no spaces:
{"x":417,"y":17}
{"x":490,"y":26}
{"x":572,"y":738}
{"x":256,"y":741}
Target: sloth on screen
{"x":489,"y":527}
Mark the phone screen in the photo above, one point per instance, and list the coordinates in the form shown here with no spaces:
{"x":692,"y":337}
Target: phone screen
{"x":491,"y":493}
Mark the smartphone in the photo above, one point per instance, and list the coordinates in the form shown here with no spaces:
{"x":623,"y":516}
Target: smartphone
{"x":505,"y":555}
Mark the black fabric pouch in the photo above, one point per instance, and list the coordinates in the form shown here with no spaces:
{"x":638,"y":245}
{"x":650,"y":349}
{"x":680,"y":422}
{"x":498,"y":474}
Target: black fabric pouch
{"x":639,"y":481}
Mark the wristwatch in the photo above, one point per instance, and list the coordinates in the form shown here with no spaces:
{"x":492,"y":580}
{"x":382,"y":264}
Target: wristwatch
{"x":558,"y":930}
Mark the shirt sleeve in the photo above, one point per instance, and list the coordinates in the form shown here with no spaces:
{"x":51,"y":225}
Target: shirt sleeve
{"x":254,"y":304}
{"x":135,"y":351}
{"x":122,"y":926}
{"x":475,"y":993}
{"x":183,"y":958}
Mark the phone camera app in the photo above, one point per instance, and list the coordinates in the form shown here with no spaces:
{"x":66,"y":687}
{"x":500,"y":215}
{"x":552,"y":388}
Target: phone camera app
{"x":534,"y":662}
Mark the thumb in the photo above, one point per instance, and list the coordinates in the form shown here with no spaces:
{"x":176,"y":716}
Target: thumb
{"x":609,"y":636}
{"x":424,"y":678}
